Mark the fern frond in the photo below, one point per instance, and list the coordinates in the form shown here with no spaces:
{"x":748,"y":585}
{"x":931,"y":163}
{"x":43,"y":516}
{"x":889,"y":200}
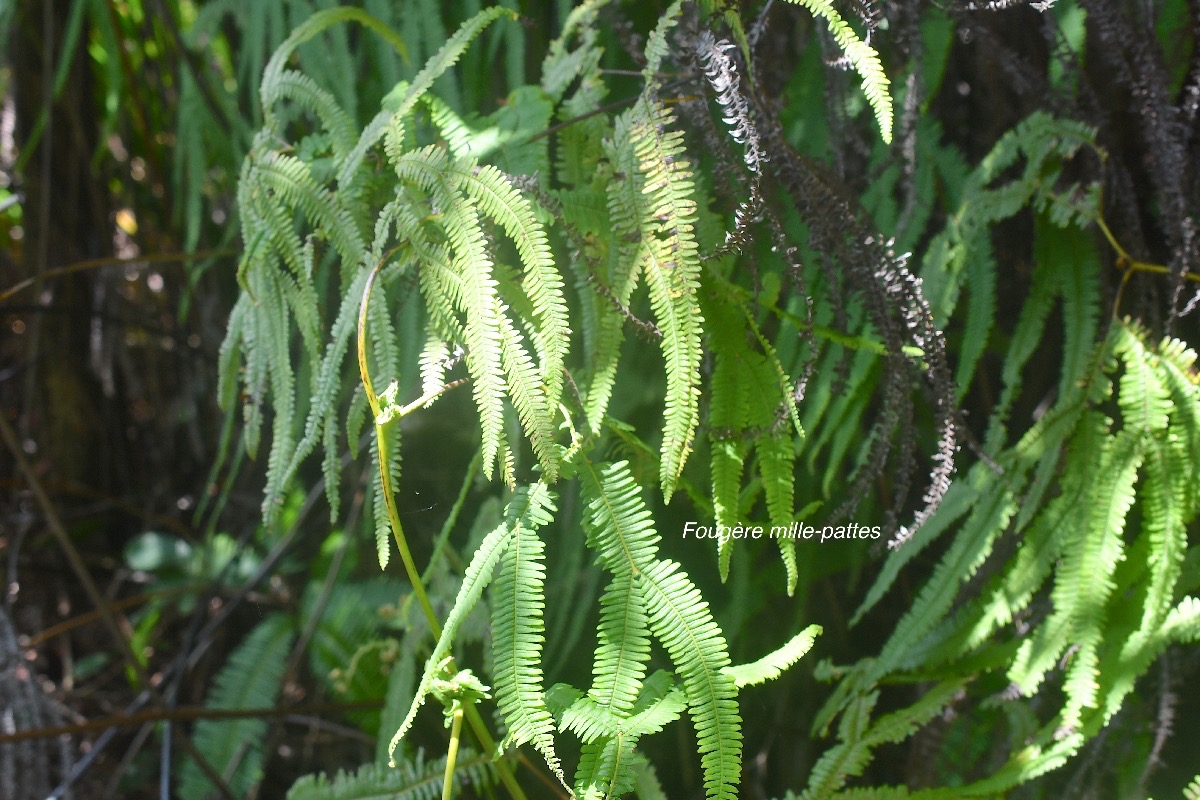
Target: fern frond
{"x":586,"y":718}
{"x":680,"y":619}
{"x":657,"y":46}
{"x":277,"y":331}
{"x":991,"y":513}
{"x":411,"y":780}
{"x":660,"y":702}
{"x":292,"y":181}
{"x":561,"y":66}
{"x":618,"y":524}
{"x":483,"y":326}
{"x":404,"y":98}
{"x":773,"y":664}
{"x":671,"y":266}
{"x":1077,"y":267}
{"x":777,"y":466}
{"x":604,"y":771}
{"x":322,"y":20}
{"x":624,"y":192}
{"x":606,"y":764}
{"x":304,"y":91}
{"x":495,"y":348}
{"x":528,"y":509}
{"x":1086,"y":577}
{"x":400,"y":103}
{"x":518,"y":634}
{"x":251,"y":678}
{"x":434,"y":359}
{"x":620,"y":530}
{"x":850,"y":756}
{"x":541,"y":283}
{"x":862,"y":58}
{"x":623,"y":646}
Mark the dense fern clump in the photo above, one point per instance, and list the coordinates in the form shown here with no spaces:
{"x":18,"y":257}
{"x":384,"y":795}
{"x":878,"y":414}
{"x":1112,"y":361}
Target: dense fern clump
{"x":801,"y":367}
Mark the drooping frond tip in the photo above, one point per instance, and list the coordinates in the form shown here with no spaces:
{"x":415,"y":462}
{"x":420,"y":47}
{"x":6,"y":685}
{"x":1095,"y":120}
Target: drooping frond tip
{"x":862,"y":58}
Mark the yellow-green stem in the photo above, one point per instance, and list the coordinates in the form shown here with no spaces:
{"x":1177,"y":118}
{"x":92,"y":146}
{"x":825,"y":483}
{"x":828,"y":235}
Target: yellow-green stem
{"x":385,"y":471}
{"x":478,"y":727}
{"x":452,"y":754}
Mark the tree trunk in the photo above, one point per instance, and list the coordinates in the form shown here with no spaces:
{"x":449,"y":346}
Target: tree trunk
{"x":66,"y":219}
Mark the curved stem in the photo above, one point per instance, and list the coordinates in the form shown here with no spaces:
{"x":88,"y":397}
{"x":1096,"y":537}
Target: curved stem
{"x":385,"y":470}
{"x":478,"y":727}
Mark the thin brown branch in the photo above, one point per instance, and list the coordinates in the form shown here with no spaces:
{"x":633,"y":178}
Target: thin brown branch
{"x":96,"y":263}
{"x":184,"y":714}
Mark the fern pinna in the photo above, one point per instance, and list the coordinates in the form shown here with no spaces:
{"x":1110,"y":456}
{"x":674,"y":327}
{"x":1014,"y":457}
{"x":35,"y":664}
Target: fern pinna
{"x":514,"y":253}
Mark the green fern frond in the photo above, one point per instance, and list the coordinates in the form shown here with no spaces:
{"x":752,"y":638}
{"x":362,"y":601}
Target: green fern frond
{"x":411,"y":780}
{"x":727,"y":421}
{"x":607,"y":761}
{"x":292,"y":181}
{"x":670,"y":262}
{"x":434,"y":360}
{"x":954,"y":506}
{"x":401,"y":103}
{"x":1112,"y":584}
{"x":1077,"y":266}
{"x":584,"y":717}
{"x":991,"y":513}
{"x":727,"y":462}
{"x":404,"y":98}
{"x":604,"y":769}
{"x":624,"y":192}
{"x":1086,"y":579}
{"x":313,"y":25}
{"x":277,"y":332}
{"x":495,"y":348}
{"x":962,"y":253}
{"x":657,"y":46}
{"x":899,"y":725}
{"x":251,"y":678}
{"x":859,"y":740}
{"x":660,"y":702}
{"x":623,"y":646}
{"x":562,"y":66}
{"x":518,"y":634}
{"x":326,"y":384}
{"x":254,"y":380}
{"x":618,"y":524}
{"x":862,"y":58}
{"x":459,"y":137}
{"x":620,"y":530}
{"x":378,"y":506}
{"x":529,"y":509}
{"x":850,"y":756}
{"x":304,"y":91}
{"x":541,"y":282}
{"x":483,"y":325}
{"x":773,"y":664}
{"x":777,"y":467}
{"x":680,"y":619}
